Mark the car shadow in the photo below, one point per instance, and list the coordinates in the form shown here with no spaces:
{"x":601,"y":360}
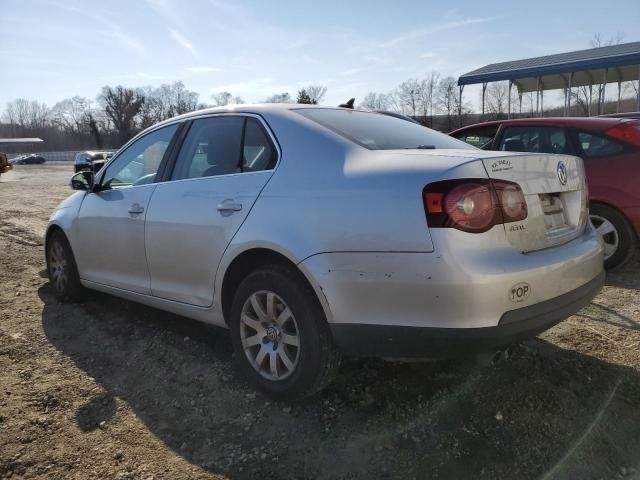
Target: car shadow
{"x":626,"y":276}
{"x":538,"y":412}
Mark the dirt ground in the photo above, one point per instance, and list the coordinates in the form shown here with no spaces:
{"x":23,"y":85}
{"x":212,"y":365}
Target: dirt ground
{"x":111,"y":389}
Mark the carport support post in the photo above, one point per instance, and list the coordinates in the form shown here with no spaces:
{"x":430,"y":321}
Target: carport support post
{"x":618,"y":104}
{"x":537,"y":96}
{"x":484,"y":91}
{"x":603,"y":92}
{"x":460,"y":106}
{"x":590,"y":100}
{"x":569,"y":94}
{"x":509,"y":101}
{"x":520,"y":100}
{"x":638,"y":96}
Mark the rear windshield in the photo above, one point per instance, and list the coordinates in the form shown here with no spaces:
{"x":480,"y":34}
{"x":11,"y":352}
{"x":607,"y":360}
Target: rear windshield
{"x":380,"y":132}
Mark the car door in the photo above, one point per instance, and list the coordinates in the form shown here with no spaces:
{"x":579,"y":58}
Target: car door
{"x":223,"y":164}
{"x":110,"y":227}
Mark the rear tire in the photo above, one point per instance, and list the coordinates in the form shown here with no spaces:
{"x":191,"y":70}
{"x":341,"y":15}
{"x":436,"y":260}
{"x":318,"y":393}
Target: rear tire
{"x":62,"y":269}
{"x":280,"y":334}
{"x":618,"y":234}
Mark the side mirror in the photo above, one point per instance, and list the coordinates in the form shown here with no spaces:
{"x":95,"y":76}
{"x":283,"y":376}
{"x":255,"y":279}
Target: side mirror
{"x":83,"y":180}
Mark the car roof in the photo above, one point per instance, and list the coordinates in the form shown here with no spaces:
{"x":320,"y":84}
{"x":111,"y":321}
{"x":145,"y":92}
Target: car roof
{"x":257,"y":108}
{"x":591,"y":123}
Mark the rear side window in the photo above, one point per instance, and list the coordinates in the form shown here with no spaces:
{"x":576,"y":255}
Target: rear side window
{"x":211,"y":148}
{"x":258,"y":151}
{"x":478,"y":137}
{"x":535,"y":139}
{"x":594,"y":145}
{"x":380,"y":132}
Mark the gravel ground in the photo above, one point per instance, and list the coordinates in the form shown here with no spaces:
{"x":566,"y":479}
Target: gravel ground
{"x":111,"y":389}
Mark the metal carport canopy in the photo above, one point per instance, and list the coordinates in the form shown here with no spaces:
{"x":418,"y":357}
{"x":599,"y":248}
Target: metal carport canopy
{"x":615,"y":63}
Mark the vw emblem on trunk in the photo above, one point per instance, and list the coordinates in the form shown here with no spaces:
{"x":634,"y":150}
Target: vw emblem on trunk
{"x":562,"y":173}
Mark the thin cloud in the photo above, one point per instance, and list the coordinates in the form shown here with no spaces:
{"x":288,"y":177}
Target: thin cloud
{"x":129,"y":42}
{"x":350,"y":71}
{"x":203,"y":69}
{"x":435,"y":29}
{"x":183,"y":42}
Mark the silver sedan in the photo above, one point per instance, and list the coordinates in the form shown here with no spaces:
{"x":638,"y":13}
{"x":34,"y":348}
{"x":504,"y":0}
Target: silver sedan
{"x":314,"y":233}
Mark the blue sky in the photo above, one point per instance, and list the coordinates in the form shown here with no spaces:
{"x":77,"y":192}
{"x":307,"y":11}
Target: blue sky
{"x":51,"y":50}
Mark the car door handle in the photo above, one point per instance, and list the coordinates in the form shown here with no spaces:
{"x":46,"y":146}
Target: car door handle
{"x":229,"y":206}
{"x":136,"y":209}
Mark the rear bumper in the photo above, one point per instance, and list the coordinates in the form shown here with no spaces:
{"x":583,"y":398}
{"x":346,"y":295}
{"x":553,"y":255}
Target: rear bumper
{"x":427,"y":342}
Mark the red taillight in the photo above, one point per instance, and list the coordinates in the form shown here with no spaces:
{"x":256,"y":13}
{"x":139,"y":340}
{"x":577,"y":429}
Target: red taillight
{"x":470,"y":206}
{"x":473,"y":205}
{"x":628,"y":132}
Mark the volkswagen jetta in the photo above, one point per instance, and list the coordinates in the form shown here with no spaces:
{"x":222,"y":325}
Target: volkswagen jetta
{"x":317,"y":232}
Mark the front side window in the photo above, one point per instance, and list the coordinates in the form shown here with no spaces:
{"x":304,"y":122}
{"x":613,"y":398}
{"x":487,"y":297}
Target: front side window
{"x":535,"y":139}
{"x":138,"y":164}
{"x":380,"y":132}
{"x":594,"y":145}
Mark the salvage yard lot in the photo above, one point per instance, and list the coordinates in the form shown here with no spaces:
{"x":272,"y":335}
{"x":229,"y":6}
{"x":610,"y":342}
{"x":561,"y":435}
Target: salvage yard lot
{"x":111,"y":389}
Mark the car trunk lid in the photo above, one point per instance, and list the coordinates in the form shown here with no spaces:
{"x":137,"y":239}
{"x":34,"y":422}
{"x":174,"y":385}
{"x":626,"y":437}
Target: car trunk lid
{"x":555,"y":191}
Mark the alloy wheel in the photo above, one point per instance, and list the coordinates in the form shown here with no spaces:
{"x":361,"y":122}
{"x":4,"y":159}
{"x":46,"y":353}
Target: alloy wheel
{"x":58,"y":266}
{"x":609,"y":234}
{"x":269,"y":335}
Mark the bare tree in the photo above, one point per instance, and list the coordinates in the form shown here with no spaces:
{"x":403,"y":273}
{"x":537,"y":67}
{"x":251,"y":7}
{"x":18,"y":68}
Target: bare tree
{"x":394,"y":103}
{"x":410,"y":96}
{"x":497,"y":98}
{"x":597,"y":41}
{"x":447,"y":99}
{"x":225,"y":98}
{"x":316,"y":93}
{"x":279,"y":98}
{"x":71,"y":114}
{"x":374,"y":101}
{"x":27,"y":114}
{"x":427,"y":88}
{"x":122,"y":106}
{"x":175,"y":99}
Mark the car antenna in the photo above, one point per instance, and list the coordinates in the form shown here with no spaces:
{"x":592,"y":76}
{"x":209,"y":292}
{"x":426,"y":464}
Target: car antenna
{"x":349,"y":104}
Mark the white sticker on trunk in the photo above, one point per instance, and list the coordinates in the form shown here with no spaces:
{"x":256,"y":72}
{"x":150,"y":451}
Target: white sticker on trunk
{"x":519,"y":292}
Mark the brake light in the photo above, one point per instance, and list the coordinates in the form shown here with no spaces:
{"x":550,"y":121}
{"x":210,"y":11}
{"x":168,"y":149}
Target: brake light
{"x":628,"y":132}
{"x":473,"y":205}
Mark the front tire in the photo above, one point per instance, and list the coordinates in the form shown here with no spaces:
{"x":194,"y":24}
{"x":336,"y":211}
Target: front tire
{"x":280,"y":334}
{"x":62,"y":269}
{"x":618,"y":235}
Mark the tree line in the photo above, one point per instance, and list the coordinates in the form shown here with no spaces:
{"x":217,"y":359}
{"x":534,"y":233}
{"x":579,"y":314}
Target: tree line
{"x":117,"y":114}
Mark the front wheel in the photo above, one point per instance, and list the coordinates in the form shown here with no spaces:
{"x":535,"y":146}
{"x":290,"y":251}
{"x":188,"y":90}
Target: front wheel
{"x":280,"y":335}
{"x":618,"y":236}
{"x":62,"y":269}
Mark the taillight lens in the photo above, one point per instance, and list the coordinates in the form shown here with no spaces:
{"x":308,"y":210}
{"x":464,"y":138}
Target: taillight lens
{"x":628,"y":132}
{"x":473,"y":205}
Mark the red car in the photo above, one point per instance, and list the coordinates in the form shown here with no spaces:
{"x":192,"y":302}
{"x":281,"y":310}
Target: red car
{"x":610,"y":148}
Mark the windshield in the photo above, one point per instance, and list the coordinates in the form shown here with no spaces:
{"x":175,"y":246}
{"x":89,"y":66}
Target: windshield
{"x":380,"y":132}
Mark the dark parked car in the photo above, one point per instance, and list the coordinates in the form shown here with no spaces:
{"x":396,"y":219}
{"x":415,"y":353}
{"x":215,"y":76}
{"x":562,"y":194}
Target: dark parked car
{"x":610,"y":148}
{"x":91,"y":160}
{"x":30,"y":159}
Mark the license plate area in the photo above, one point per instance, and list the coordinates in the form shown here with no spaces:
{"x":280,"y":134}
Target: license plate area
{"x":554,"y":213}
